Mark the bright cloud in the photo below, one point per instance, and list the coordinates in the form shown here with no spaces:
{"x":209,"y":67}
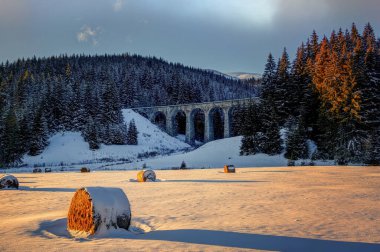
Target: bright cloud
{"x":241,"y":12}
{"x":88,"y":34}
{"x":118,"y":5}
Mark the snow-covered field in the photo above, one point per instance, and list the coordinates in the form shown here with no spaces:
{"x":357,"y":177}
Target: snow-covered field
{"x":275,"y":209}
{"x":213,"y":154}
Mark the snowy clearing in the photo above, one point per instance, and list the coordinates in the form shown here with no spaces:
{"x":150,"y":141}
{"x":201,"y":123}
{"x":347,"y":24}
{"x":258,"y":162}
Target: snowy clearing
{"x":276,"y":209}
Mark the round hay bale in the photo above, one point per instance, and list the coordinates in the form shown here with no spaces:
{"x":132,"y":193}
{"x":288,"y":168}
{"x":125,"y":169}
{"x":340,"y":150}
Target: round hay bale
{"x":229,"y":169}
{"x":95,"y":210}
{"x":84,"y":169}
{"x":146,"y":176}
{"x":8,"y":181}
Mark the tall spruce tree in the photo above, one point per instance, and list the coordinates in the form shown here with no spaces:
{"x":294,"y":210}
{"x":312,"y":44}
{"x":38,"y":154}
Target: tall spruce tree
{"x":296,"y":143}
{"x":132,"y":135}
{"x":11,"y":151}
{"x":39,"y":135}
{"x":283,"y":89}
{"x":268,"y":79}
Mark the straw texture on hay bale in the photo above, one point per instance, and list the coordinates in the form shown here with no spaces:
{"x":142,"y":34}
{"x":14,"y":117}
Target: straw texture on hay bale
{"x":8,"y":181}
{"x":146,"y":176}
{"x":229,"y":169}
{"x":95,"y":210}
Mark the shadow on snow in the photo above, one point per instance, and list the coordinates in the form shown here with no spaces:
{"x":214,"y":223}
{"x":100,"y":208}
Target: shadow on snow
{"x":57,"y":228}
{"x":35,"y":189}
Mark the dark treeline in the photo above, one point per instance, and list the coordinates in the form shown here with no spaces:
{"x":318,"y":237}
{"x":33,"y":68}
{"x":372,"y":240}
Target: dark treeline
{"x":329,"y":94}
{"x":41,"y":96}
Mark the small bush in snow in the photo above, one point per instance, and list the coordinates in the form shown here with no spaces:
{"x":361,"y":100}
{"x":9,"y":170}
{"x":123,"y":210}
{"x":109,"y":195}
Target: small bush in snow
{"x":183,"y":165}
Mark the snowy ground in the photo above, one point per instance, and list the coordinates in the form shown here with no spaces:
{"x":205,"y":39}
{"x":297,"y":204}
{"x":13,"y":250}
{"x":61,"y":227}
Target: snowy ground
{"x":213,"y":154}
{"x":275,"y":209}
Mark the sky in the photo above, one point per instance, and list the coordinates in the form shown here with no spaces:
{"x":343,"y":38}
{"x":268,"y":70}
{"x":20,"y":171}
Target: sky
{"x":224,"y":35}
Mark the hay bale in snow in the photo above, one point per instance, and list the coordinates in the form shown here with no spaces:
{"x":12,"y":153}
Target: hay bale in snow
{"x":229,"y":169}
{"x":8,"y":181}
{"x":146,"y":176}
{"x":84,"y":169}
{"x":96,"y":210}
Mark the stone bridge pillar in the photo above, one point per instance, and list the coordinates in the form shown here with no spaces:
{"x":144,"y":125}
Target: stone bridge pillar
{"x":227,"y":122}
{"x":209,"y":127}
{"x":190,"y":131}
{"x":169,"y":124}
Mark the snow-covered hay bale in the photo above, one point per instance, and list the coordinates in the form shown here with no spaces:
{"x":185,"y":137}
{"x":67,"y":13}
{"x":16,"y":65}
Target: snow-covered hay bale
{"x":146,"y":176}
{"x":37,"y":170}
{"x":229,"y":169}
{"x":84,"y":169}
{"x":96,"y":210}
{"x":8,"y":181}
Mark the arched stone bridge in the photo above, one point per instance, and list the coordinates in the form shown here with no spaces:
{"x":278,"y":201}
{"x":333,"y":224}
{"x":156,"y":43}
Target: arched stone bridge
{"x":187,"y":119}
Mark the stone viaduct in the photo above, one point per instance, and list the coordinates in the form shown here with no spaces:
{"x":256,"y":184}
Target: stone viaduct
{"x":166,"y":116}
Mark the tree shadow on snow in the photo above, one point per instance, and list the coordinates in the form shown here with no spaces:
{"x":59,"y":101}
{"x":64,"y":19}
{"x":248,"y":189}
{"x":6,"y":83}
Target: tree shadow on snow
{"x":256,"y":241}
{"x":32,"y":189}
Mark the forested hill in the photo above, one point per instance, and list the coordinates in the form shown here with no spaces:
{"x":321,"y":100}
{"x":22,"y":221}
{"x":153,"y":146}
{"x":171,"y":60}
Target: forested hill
{"x":329,"y":94}
{"x":40,"y":96}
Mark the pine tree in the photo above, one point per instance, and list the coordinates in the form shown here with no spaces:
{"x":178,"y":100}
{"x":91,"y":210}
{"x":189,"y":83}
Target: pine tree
{"x":25,"y":134}
{"x":283,"y":89}
{"x":268,"y":79}
{"x":372,"y":156}
{"x":91,"y":135}
{"x":302,"y":101}
{"x":262,"y":132}
{"x":313,"y":46}
{"x":271,"y":131}
{"x":370,"y":87}
{"x":132,"y":135}
{"x":296,"y":144}
{"x":11,"y":152}
{"x":39,"y":135}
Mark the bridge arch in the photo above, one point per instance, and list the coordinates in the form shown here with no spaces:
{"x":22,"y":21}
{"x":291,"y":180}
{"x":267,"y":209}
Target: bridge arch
{"x":178,"y":120}
{"x":197,"y":120}
{"x":159,"y":118}
{"x":215,"y":123}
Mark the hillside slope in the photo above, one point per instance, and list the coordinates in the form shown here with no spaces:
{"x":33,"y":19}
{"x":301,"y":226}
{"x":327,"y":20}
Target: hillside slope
{"x":70,"y":148}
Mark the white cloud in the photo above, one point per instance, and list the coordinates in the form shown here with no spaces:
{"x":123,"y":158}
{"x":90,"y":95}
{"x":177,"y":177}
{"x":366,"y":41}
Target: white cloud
{"x":118,"y":5}
{"x":241,"y":12}
{"x":88,"y":34}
